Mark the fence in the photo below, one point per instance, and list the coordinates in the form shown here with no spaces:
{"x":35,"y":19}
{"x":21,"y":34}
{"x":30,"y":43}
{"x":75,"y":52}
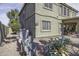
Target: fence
{"x":3,"y":32}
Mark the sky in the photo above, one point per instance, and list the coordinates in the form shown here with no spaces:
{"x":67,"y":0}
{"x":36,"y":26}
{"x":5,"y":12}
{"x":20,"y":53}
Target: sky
{"x":74,"y":5}
{"x":5,"y":7}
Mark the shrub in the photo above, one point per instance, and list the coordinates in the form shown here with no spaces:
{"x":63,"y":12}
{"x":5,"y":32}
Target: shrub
{"x":57,"y":47}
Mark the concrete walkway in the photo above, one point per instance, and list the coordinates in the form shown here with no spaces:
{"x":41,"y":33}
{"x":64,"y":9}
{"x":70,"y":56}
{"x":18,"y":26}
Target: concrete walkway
{"x":73,"y":48}
{"x":9,"y":48}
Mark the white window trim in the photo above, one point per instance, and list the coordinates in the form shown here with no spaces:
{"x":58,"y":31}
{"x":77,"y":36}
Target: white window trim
{"x":46,"y":30}
{"x":47,"y":7}
{"x":62,"y":11}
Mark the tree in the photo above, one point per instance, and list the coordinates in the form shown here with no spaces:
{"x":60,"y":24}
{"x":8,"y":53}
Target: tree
{"x":14,"y":20}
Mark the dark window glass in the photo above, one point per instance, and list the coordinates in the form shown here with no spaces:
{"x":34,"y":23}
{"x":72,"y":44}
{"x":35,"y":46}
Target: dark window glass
{"x":46,"y":25}
{"x":64,"y":10}
{"x":48,"y":5}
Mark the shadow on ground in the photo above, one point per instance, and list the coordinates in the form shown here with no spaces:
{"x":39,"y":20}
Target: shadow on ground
{"x":10,"y":39}
{"x":75,"y":50}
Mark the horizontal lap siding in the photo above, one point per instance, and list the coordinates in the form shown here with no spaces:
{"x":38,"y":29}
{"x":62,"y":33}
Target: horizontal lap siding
{"x":28,"y":19}
{"x":54,"y":26}
{"x":49,"y":15}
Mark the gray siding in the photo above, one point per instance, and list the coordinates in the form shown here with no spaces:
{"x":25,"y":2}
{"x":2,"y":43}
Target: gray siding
{"x":30,"y":17}
{"x":30,"y":24}
{"x":29,"y":9}
{"x":27,"y":17}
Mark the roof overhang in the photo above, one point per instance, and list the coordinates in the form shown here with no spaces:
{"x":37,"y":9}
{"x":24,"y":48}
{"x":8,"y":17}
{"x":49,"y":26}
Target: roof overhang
{"x":69,"y":7}
{"x":71,"y":18}
{"x":60,"y":3}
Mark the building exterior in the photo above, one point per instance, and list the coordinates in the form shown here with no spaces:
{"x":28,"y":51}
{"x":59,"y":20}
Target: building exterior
{"x":45,"y":19}
{"x":71,"y":25}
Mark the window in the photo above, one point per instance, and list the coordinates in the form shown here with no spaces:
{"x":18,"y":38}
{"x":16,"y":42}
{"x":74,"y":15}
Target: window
{"x":48,"y":5}
{"x":46,"y":25}
{"x":65,"y":11}
{"x":60,"y":10}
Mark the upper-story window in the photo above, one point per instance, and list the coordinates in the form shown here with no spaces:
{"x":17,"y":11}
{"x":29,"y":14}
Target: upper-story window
{"x":67,"y":12}
{"x":64,"y":11}
{"x":60,"y":10}
{"x":48,"y":5}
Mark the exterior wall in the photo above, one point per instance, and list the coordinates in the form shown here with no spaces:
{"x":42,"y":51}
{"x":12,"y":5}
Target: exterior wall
{"x":30,"y":24}
{"x":55,"y":30}
{"x":27,"y":18}
{"x":55,"y":12}
{"x":71,"y":12}
{"x":50,"y":15}
{"x":40,"y":9}
{"x":32,"y":15}
{"x":76,"y":21}
{"x":26,"y":13}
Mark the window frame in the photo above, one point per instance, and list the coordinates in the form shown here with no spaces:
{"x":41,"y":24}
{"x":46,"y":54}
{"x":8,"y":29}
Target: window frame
{"x":64,"y":11}
{"x":48,"y":7}
{"x":46,"y":25}
{"x":68,"y":12}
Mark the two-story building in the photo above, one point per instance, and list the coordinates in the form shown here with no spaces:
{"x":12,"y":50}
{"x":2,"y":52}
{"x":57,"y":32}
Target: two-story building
{"x":44,"y":19}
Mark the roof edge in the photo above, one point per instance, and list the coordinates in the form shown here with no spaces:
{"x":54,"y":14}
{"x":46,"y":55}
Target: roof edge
{"x":70,"y":7}
{"x":77,"y":17}
{"x":60,"y":3}
{"x":22,"y":8}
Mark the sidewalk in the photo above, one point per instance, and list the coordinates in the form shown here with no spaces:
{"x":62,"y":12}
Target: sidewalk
{"x":9,"y":48}
{"x":73,"y":48}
